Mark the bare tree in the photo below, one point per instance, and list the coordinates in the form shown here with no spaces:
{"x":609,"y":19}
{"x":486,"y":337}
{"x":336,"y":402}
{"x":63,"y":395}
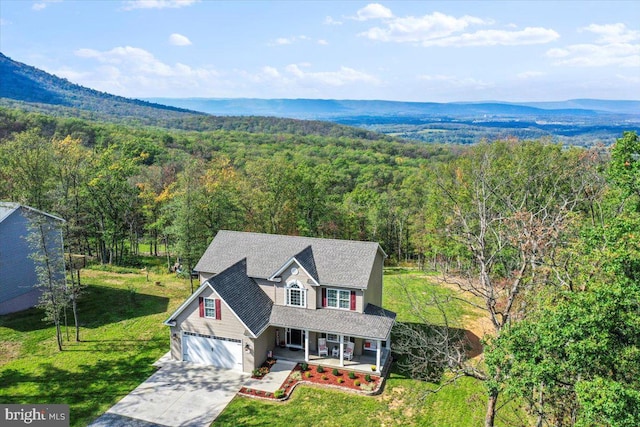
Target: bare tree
{"x":510,"y":206}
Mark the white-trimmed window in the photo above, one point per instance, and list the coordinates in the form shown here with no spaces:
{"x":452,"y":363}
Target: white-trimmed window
{"x":296,"y":295}
{"x":210,"y":308}
{"x":339,"y":298}
{"x":333,"y":338}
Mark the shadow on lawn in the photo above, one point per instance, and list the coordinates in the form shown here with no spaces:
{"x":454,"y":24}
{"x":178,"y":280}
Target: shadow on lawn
{"x":97,"y":306}
{"x":422,"y":351}
{"x":86,"y":388}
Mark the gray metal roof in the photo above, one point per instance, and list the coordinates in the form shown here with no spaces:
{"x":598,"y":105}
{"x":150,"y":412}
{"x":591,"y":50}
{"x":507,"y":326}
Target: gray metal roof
{"x":375,"y":323}
{"x":243,"y":295}
{"x":337,"y":262}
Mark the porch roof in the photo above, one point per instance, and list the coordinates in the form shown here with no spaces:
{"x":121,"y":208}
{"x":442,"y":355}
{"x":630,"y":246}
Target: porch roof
{"x":374,"y":323}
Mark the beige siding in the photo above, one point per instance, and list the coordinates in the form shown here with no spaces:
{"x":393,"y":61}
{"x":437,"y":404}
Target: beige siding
{"x":269,"y":288}
{"x":176,"y":343}
{"x":305,"y":280}
{"x":205,"y":276}
{"x":259,"y":348}
{"x":229,"y":326}
{"x":374,"y":288}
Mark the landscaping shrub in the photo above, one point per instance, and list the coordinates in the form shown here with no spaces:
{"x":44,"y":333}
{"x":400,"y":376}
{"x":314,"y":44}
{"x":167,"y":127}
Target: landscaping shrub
{"x":352,"y":375}
{"x":367,"y":378}
{"x":304,"y":367}
{"x":356,"y":383}
{"x":307,"y":374}
{"x":324,"y":377}
{"x":278,"y":394}
{"x":340,"y":380}
{"x":320,"y":369}
{"x":335,"y":372}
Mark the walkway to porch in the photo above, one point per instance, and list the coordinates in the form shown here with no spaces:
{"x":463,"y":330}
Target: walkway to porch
{"x":360,"y":363}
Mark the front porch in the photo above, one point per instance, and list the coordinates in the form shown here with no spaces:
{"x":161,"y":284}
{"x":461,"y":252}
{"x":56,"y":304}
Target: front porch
{"x":361,"y":363}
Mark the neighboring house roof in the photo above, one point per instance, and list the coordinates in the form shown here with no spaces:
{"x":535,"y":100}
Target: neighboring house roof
{"x":375,"y":322}
{"x":333,"y":262}
{"x":7,"y":208}
{"x":240,"y":293}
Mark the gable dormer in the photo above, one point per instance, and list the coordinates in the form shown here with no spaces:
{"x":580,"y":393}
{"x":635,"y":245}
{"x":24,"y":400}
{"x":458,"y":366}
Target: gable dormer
{"x":302,"y":264}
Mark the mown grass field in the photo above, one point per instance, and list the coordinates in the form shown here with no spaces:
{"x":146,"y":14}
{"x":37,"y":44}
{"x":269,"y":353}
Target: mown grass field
{"x":121,"y":313}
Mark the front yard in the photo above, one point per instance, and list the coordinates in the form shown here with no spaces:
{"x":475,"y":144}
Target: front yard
{"x":122,"y":335}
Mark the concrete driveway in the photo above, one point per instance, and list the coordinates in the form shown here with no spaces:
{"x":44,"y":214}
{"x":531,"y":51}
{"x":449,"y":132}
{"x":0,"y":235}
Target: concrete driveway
{"x":179,"y":394}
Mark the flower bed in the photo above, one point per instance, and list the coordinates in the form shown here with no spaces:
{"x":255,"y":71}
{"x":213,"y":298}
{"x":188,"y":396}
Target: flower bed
{"x":263,"y":370}
{"x":343,"y":379}
{"x":340,"y":378}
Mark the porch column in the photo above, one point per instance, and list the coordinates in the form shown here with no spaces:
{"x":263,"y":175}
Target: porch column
{"x":378,"y":351}
{"x":387,"y":344}
{"x":341,"y":350}
{"x":306,"y":345}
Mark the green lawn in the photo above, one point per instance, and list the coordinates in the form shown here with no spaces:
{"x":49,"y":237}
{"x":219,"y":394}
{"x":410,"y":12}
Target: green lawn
{"x":122,"y":335}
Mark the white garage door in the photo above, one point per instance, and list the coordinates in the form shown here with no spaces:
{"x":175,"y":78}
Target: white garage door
{"x":210,"y":350}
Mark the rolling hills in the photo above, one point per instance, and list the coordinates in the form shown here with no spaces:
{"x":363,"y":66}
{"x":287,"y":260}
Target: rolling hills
{"x":27,"y":88}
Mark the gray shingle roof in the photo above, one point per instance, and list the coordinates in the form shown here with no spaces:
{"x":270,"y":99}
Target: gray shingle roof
{"x":375,"y":323}
{"x":243,"y":295}
{"x":306,"y":259}
{"x":337,"y":262}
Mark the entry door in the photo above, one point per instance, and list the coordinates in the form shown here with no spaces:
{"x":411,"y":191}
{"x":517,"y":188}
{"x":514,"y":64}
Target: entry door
{"x":295,"y":338}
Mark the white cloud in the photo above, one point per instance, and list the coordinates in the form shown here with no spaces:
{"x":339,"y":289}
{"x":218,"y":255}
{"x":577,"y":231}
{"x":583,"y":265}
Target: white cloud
{"x":341,"y":77}
{"x":282,"y":41}
{"x":330,"y":21}
{"x":613,"y":33}
{"x":323,"y":42}
{"x":629,"y":79}
{"x":439,"y":29}
{"x":593,"y":55}
{"x":179,"y":40}
{"x":613,"y":47}
{"x":528,"y":36}
{"x":300,"y":75}
{"x":525,"y":75}
{"x":131,"y":71}
{"x":373,"y":11}
{"x":456,"y":82}
{"x":157,"y":4}
{"x":42,"y":4}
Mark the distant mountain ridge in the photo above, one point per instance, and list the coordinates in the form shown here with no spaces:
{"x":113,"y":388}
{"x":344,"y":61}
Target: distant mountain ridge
{"x":28,"y":88}
{"x":25,"y":83}
{"x":332,"y":108}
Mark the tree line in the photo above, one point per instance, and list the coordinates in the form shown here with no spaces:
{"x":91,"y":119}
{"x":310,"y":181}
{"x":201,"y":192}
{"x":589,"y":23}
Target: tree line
{"x":543,"y":238}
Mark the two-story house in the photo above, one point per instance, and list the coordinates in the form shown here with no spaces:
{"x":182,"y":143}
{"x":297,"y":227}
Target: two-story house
{"x":261,"y":293}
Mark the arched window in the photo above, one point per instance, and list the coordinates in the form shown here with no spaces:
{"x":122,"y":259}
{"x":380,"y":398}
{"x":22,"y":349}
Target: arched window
{"x":296,"y":295}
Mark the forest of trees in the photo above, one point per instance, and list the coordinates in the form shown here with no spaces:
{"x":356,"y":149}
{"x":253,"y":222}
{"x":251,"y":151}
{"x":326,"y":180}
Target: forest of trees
{"x":547,"y":238}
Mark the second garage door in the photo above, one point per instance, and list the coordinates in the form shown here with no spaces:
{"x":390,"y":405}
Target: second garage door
{"x":211,"y":350}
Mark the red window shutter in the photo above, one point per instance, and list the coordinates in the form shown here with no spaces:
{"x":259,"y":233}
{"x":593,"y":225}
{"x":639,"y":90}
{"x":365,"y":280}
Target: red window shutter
{"x":353,"y":300}
{"x":218,"y":314}
{"x":324,"y":297}
{"x":201,"y":303}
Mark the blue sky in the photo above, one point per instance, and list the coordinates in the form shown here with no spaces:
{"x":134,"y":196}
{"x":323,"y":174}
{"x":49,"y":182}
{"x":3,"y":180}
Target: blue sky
{"x":393,"y":50}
